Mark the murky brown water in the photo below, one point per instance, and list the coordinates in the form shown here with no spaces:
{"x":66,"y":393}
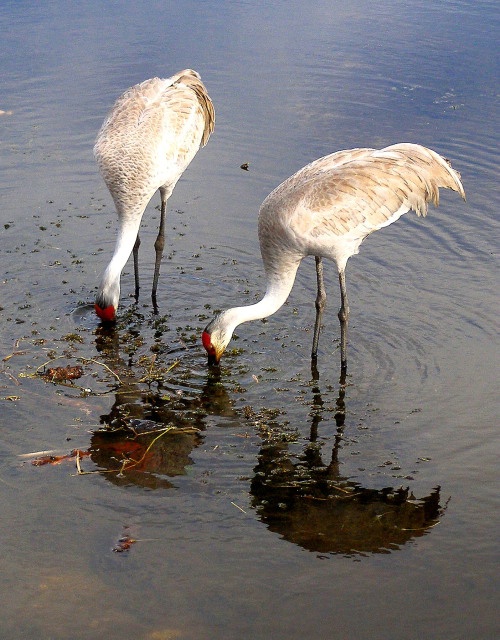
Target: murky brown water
{"x":265,"y":502}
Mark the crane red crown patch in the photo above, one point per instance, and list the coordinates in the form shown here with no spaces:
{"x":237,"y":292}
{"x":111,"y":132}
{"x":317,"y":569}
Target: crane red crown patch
{"x":107,"y":314}
{"x":207,"y":342}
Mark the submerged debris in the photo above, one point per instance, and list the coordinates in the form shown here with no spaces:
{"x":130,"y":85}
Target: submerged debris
{"x":53,"y":459}
{"x":63,"y":374}
{"x":124,"y":544}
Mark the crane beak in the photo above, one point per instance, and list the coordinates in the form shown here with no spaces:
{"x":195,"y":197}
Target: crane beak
{"x":213,"y":360}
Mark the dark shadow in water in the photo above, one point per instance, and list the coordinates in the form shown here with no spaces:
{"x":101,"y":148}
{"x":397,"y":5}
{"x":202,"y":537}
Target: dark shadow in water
{"x":142,"y":454}
{"x":312,"y":505}
{"x":147,"y":438}
{"x":308,"y":502}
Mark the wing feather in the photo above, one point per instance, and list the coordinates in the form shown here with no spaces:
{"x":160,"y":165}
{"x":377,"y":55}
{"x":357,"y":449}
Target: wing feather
{"x":365,"y":189}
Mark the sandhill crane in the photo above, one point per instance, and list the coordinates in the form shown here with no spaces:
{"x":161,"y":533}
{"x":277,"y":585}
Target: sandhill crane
{"x":326,"y":210}
{"x":150,"y":136}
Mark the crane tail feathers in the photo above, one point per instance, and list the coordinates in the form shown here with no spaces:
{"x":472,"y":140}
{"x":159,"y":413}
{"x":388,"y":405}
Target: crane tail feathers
{"x":424,"y":171}
{"x":193,"y":80}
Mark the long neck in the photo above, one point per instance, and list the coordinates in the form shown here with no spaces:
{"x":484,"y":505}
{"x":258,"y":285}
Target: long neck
{"x":127,"y":235}
{"x":279,"y":285}
{"x":109,"y":289}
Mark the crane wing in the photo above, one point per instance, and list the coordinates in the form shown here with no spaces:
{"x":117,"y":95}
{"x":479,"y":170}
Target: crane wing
{"x":370,"y":189}
{"x":161,"y":112}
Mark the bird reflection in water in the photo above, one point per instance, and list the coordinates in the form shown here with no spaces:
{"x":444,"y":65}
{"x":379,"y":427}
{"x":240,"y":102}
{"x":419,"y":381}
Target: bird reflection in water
{"x":148,"y":435}
{"x":147,"y":440}
{"x":308,"y":502}
{"x":144,"y":453}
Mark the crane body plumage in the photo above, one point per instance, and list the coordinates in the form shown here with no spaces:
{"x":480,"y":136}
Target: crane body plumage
{"x":146,"y":142}
{"x":326,"y":210}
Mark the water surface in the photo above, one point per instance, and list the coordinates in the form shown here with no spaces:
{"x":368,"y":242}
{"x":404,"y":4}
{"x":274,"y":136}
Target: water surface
{"x":277,"y":504}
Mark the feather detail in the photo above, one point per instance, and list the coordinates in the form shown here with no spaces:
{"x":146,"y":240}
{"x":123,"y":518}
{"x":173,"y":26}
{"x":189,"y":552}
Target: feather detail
{"x":146,"y":142}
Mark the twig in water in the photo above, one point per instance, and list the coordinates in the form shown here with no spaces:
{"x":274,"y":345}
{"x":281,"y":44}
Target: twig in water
{"x":238,"y":507}
{"x":85,"y":360}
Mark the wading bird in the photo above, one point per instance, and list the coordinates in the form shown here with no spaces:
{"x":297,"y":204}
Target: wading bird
{"x":326,"y":210}
{"x":148,"y":139}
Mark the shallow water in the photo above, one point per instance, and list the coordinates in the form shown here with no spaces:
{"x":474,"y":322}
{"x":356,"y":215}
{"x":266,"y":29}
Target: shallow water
{"x":266,"y":502}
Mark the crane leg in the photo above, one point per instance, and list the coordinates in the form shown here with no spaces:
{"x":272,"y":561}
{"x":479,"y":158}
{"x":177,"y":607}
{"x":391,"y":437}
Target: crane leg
{"x":320,"y":305}
{"x":344,"y":318}
{"x":159,"y":246}
{"x":135,"y":252}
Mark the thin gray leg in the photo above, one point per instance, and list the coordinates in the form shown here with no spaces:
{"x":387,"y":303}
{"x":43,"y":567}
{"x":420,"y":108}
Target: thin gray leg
{"x":344,"y":318}
{"x":159,"y":246}
{"x":320,"y":305}
{"x":135,"y":253}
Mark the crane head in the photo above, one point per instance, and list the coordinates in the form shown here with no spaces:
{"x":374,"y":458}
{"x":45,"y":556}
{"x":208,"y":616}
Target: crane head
{"x":217,"y":335}
{"x":213,"y":353}
{"x":108,"y":296}
{"x":107,"y":314}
